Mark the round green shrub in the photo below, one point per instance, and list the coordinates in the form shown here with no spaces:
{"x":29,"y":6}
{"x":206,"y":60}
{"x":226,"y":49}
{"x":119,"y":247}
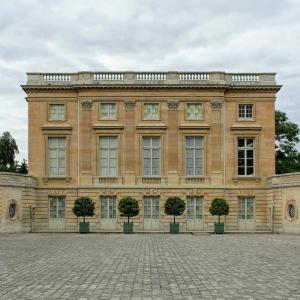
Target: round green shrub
{"x":174,"y":206}
{"x":128,"y":207}
{"x":219,"y":207}
{"x":84,"y":207}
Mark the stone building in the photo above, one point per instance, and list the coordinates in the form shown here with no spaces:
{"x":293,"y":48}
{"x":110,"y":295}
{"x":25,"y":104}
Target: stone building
{"x":151,"y":135}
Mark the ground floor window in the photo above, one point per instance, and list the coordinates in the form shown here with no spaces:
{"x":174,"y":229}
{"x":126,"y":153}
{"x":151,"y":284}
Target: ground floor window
{"x":195,"y":207}
{"x":57,"y":207}
{"x":108,"y":207}
{"x":246,"y":208}
{"x":151,"y":207}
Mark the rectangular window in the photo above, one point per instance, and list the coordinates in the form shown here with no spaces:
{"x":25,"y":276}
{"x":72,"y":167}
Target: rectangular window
{"x":151,"y":111}
{"x":245,"y":111}
{"x":108,"y":111}
{"x":151,"y":207}
{"x":56,"y":207}
{"x":151,"y":156}
{"x":194,"y":156}
{"x":57,"y":156}
{"x":194,"y":111}
{"x":56,"y":112}
{"x":108,"y":156}
{"x":246,"y":208}
{"x":194,"y":207}
{"x":245,"y":159}
{"x":108,"y":207}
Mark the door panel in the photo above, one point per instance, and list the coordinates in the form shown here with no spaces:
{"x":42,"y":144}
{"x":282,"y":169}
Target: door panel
{"x":57,"y":219}
{"x":151,"y":213}
{"x":108,"y":213}
{"x":194,"y":213}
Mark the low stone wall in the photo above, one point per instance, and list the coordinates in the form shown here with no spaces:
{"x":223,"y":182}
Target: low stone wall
{"x":17,"y":202}
{"x":284,"y":193}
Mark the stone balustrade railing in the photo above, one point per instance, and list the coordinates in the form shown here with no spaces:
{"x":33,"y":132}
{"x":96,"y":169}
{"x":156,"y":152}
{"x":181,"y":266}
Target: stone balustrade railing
{"x":159,"y":78}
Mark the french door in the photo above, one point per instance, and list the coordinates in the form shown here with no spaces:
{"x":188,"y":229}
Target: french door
{"x":151,"y":213}
{"x":108,"y":212}
{"x":57,"y":219}
{"x":194,"y":213}
{"x":246,"y":213}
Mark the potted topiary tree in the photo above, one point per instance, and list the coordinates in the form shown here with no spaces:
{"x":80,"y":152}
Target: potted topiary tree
{"x":84,"y":207}
{"x":128,"y":207}
{"x":219,"y":207}
{"x":174,"y":206}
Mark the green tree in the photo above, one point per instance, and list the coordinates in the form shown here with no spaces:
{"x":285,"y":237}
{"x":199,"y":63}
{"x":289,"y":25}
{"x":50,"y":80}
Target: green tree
{"x":174,"y":206}
{"x":219,"y":207}
{"x":84,"y":207}
{"x":286,"y":139}
{"x":23,"y":167}
{"x":8,"y":152}
{"x":128,"y":207}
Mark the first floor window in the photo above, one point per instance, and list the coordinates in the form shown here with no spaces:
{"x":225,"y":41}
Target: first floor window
{"x":246,"y":208}
{"x":56,"y":207}
{"x":56,"y":112}
{"x":108,"y":111}
{"x":108,"y":156}
{"x":194,"y":207}
{"x":245,"y":159}
{"x":151,"y":156}
{"x":57,"y":156}
{"x":151,"y":207}
{"x":151,"y":111}
{"x":194,"y":111}
{"x":245,"y":111}
{"x":194,"y":156}
{"x":108,"y":207}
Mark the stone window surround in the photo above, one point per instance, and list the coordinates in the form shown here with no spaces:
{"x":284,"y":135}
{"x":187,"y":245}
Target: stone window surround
{"x":116,"y":103}
{"x":49,"y":112}
{"x":194,"y":102}
{"x":143,"y":111}
{"x":238,"y":118}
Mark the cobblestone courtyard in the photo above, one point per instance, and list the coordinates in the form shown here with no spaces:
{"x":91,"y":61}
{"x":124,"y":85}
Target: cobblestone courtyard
{"x":150,"y":266}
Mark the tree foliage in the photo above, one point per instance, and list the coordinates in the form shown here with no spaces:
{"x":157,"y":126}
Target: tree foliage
{"x":84,"y":207}
{"x":128,"y":207}
{"x":219,"y":207}
{"x":286,"y":139}
{"x":174,"y":206}
{"x":23,"y":167}
{"x":8,"y":151}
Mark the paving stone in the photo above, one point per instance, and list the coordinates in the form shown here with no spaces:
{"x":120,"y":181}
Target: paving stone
{"x":149,"y":266}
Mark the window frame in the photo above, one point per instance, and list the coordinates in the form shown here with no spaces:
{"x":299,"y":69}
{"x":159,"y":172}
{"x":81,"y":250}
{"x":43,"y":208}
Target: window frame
{"x":116,"y":111}
{"x":108,"y":198}
{"x":49,"y":206}
{"x":194,"y":156}
{"x":66,"y":156}
{"x":245,"y":118}
{"x":193,"y":198}
{"x":49,"y":119}
{"x":186,"y":111}
{"x":142,"y":156}
{"x":117,"y":155}
{"x":143,"y":111}
{"x":246,"y":201}
{"x":254,"y":148}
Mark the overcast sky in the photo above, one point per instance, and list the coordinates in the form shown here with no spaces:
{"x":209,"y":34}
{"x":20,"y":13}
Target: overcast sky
{"x":226,"y":35}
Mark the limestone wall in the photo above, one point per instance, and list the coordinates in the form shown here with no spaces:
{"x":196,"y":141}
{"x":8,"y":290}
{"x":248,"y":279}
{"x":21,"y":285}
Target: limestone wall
{"x":17,"y":202}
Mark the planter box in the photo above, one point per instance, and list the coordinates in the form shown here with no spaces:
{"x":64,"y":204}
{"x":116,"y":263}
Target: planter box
{"x":127,"y":227}
{"x":84,"y":227}
{"x":174,"y":227}
{"x":219,"y":228}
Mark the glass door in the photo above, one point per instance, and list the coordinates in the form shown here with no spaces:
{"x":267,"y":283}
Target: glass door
{"x":108,"y":212}
{"x":194,"y":213}
{"x":246,"y":213}
{"x":57,"y":219}
{"x":151,"y":213}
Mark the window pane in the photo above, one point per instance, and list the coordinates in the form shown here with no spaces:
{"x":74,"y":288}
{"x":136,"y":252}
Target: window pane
{"x":108,"y":110}
{"x":151,"y":111}
{"x":57,"y":156}
{"x":56,"y":112}
{"x":108,"y":156}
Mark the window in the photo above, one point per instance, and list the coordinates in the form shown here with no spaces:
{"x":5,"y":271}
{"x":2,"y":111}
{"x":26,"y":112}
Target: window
{"x":194,"y":111}
{"x":151,"y":156}
{"x":56,"y":207}
{"x":151,"y":207}
{"x":291,"y":211}
{"x":56,"y":112}
{"x":108,"y":156}
{"x":194,"y":156}
{"x":57,"y":156}
{"x":12,"y":209}
{"x":246,"y":208}
{"x":194,"y":207}
{"x":245,"y":111}
{"x":108,"y":207}
{"x":151,"y":111}
{"x":245,"y":160}
{"x":108,"y":111}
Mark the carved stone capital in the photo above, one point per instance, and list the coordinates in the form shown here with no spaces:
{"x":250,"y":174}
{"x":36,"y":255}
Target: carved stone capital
{"x":216,"y":104}
{"x":129,"y":104}
{"x":173,"y":104}
{"x":86,"y":104}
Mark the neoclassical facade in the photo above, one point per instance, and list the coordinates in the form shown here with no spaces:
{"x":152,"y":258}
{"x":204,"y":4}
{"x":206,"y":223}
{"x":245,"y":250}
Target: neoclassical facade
{"x":151,"y":135}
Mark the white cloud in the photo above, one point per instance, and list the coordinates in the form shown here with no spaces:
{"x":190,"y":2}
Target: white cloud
{"x":67,"y":35}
